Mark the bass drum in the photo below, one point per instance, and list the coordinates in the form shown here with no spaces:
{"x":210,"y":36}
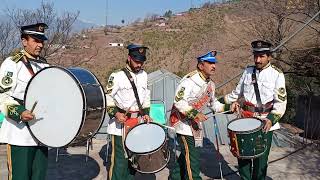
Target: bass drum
{"x":69,"y":106}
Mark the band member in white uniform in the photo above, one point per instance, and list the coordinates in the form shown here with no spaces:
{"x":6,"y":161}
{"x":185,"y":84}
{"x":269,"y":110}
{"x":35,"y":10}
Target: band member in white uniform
{"x":26,"y":159}
{"x":194,"y":92}
{"x":123,"y":108}
{"x":267,"y":101}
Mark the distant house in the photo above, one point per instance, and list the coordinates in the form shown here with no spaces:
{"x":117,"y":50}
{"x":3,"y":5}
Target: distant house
{"x":161,"y":19}
{"x":115,"y":44}
{"x":161,"y":24}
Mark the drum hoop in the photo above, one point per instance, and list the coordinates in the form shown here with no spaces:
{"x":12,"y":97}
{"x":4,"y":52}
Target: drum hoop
{"x":168,"y":159}
{"x":104,"y":105}
{"x":84,"y":104}
{"x":149,"y":152}
{"x":246,"y":132}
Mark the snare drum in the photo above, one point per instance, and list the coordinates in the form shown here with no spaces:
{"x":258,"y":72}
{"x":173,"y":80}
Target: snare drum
{"x":70,"y":106}
{"x":247,"y":140}
{"x":147,"y":148}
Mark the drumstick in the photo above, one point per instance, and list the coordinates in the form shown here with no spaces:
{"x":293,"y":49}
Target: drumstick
{"x":33,"y":106}
{"x":172,"y":128}
{"x":127,"y":111}
{"x":218,"y":113}
{"x":218,"y":150}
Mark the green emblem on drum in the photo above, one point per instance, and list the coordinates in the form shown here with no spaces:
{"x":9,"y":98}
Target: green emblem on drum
{"x":6,"y":80}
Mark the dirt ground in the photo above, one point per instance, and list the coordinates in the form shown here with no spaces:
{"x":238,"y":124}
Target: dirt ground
{"x":304,"y":164}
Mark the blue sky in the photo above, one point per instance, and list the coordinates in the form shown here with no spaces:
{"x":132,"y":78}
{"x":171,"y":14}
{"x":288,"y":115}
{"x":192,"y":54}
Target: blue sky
{"x":95,"y":10}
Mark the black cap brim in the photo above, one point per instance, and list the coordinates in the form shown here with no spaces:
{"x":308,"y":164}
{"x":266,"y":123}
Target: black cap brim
{"x":138,"y":57}
{"x":38,"y":37}
{"x":261,"y":52}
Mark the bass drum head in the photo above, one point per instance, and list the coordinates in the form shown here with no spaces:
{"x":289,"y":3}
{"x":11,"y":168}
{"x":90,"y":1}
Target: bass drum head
{"x":145,"y":138}
{"x":244,"y":124}
{"x":56,"y":124}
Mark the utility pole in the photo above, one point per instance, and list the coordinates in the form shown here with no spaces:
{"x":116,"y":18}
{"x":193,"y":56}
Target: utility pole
{"x":106,"y":26}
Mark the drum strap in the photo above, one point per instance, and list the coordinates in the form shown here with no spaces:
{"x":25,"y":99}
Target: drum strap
{"x":256,"y":90}
{"x":26,"y":62}
{"x":125,"y":70}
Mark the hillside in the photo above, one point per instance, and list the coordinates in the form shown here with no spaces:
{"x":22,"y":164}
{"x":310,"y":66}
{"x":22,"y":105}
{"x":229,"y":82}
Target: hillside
{"x":175,"y":45}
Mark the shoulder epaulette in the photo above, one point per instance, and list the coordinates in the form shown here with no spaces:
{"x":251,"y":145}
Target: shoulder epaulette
{"x":191,"y":74}
{"x":17,"y":56}
{"x":276,"y":68}
{"x":117,"y":70}
{"x":251,"y":66}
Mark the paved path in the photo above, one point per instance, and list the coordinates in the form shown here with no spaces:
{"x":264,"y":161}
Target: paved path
{"x":304,"y":164}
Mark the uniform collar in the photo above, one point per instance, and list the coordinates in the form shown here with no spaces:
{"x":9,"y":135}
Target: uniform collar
{"x":130,"y":70}
{"x":203,"y":77}
{"x":29,"y":56}
{"x":265,"y":67}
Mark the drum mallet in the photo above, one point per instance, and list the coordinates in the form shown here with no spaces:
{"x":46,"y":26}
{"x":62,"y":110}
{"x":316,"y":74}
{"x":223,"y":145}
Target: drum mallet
{"x":218,"y":153}
{"x":33,"y":106}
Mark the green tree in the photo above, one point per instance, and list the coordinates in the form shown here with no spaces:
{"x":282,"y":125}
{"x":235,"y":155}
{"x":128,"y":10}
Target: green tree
{"x":168,"y":14}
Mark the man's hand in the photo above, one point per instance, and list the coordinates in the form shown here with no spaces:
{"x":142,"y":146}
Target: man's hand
{"x":235,"y":107}
{"x":267,"y":125}
{"x":147,"y":118}
{"x":27,"y":115}
{"x":200,"y":117}
{"x":121,"y":117}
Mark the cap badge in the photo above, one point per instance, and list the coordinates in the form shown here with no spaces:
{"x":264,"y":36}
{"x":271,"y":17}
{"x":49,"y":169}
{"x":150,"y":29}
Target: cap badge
{"x":259,"y":44}
{"x":141,"y":50}
{"x":41,"y":28}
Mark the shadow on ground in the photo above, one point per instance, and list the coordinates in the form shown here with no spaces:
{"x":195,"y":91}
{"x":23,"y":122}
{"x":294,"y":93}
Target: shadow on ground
{"x":209,"y":163}
{"x":70,"y":167}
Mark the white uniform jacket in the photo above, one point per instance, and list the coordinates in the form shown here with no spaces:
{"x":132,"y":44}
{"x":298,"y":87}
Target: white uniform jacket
{"x":193,"y":94}
{"x":14,"y":77}
{"x":271,"y":84}
{"x":120,"y":96}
